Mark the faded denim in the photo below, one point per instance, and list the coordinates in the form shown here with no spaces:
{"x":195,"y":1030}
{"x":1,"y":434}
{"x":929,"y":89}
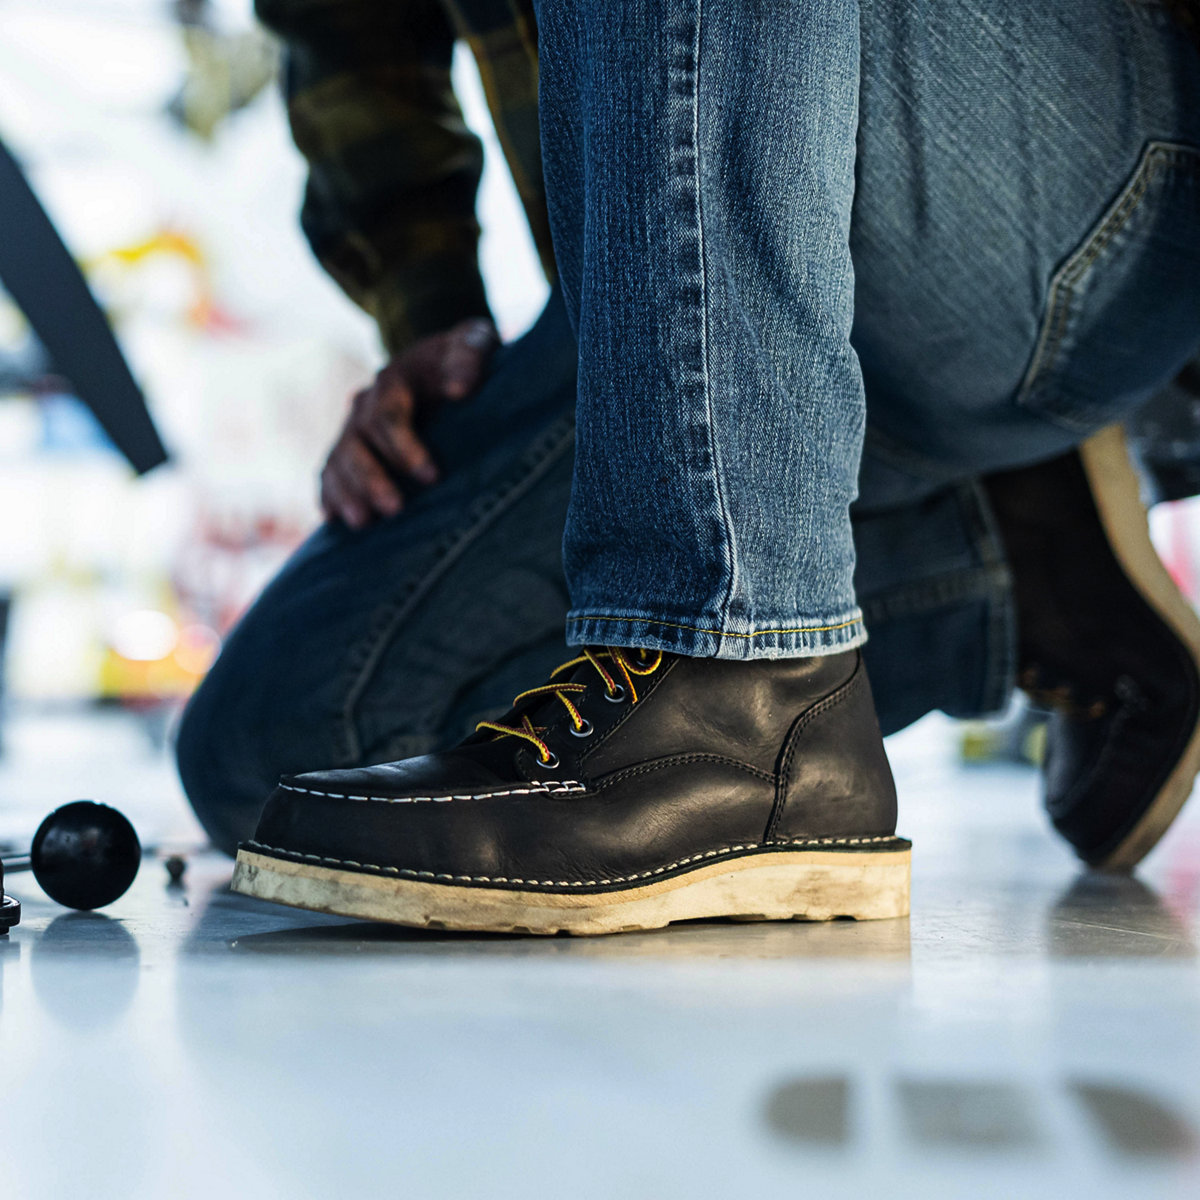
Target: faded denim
{"x":1008,"y":257}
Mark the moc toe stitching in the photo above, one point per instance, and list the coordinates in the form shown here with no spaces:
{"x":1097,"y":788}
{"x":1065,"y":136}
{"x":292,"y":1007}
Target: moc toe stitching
{"x":565,"y":787}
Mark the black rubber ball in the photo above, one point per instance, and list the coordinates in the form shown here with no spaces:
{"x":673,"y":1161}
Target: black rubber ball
{"x":85,"y":855}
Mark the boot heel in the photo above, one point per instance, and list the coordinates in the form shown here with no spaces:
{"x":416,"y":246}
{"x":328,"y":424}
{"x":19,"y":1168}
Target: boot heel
{"x":861,"y":886}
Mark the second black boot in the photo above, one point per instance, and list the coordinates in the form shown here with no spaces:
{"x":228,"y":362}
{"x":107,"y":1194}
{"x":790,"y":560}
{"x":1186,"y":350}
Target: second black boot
{"x":632,"y":790}
{"x":1108,"y":643}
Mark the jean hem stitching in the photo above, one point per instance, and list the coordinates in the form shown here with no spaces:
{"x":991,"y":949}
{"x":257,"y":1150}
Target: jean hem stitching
{"x":722,"y":633}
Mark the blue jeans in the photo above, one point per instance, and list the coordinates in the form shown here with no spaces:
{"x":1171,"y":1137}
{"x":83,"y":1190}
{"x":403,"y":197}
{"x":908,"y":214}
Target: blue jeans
{"x":977,"y":222}
{"x":1023,"y":213}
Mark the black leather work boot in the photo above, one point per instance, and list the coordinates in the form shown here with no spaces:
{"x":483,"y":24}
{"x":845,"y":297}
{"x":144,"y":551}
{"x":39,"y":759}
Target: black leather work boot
{"x":1108,"y":643}
{"x":633,"y":790}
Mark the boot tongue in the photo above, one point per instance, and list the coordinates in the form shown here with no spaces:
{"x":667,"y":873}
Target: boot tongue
{"x":541,"y":710}
{"x":544,"y":709}
{"x":547,"y":708}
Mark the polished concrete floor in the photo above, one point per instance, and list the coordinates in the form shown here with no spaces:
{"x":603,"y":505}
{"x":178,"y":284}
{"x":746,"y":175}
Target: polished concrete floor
{"x":1030,"y":1031}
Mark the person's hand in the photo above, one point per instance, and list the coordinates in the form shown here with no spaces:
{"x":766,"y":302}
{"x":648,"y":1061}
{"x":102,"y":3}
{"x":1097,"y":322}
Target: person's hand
{"x":378,"y":448}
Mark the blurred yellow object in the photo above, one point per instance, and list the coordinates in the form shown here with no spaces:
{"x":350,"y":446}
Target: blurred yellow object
{"x":166,"y":241}
{"x":150,"y":658}
{"x":977,"y":743}
{"x":173,"y":243}
{"x":1017,"y":737}
{"x":1035,"y":744}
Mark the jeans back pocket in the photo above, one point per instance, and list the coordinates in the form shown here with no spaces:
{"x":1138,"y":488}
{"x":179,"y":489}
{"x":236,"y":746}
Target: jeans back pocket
{"x":1122,"y":314}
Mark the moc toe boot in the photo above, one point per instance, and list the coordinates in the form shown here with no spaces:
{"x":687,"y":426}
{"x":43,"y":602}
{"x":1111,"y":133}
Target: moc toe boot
{"x":632,"y":790}
{"x":1108,"y":644}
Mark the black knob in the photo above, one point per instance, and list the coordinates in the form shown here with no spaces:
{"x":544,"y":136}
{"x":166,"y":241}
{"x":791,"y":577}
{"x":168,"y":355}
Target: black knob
{"x":85,"y":855}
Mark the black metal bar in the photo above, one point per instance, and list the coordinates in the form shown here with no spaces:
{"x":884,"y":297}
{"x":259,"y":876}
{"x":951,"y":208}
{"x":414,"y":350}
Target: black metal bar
{"x":48,"y":287}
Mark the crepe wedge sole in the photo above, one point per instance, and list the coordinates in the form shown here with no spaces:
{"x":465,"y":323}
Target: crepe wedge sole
{"x":1117,"y":496}
{"x":816,"y":885}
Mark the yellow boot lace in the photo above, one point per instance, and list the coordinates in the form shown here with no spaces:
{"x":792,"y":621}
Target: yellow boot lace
{"x":629,"y":665}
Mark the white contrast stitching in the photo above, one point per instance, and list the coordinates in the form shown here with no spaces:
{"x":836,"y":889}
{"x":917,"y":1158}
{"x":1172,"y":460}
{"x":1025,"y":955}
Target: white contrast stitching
{"x":536,"y":789}
{"x":408,"y":873}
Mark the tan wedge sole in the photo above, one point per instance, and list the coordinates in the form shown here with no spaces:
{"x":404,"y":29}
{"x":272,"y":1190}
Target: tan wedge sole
{"x":805,"y":885}
{"x":1118,"y":500}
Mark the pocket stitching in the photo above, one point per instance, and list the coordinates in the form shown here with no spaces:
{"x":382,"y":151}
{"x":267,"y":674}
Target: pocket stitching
{"x":1063,"y":293}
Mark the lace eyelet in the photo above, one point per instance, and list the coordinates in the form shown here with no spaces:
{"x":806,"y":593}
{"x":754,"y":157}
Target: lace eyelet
{"x":584,"y":730}
{"x":549,"y":763}
{"x":616,"y":695}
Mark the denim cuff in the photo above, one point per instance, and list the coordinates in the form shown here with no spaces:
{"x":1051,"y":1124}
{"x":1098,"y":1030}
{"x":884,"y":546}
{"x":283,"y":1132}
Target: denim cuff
{"x":785,"y":639}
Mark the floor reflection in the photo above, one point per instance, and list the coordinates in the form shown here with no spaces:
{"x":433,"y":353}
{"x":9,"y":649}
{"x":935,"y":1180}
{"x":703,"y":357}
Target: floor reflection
{"x":84,"y":967}
{"x":1134,"y":1123}
{"x":1104,"y":915}
{"x":971,"y":1115}
{"x":981,"y":1117}
{"x":861,"y":940}
{"x":814,"y":1112}
{"x":10,"y":954}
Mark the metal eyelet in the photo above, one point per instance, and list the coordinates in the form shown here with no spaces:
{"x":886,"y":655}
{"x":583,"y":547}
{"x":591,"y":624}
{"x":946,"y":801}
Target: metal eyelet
{"x":584,"y":730}
{"x":616,"y":695}
{"x":549,"y":763}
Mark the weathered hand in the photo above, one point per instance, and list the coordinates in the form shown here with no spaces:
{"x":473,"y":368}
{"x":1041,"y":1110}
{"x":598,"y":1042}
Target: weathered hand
{"x":378,"y":447}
